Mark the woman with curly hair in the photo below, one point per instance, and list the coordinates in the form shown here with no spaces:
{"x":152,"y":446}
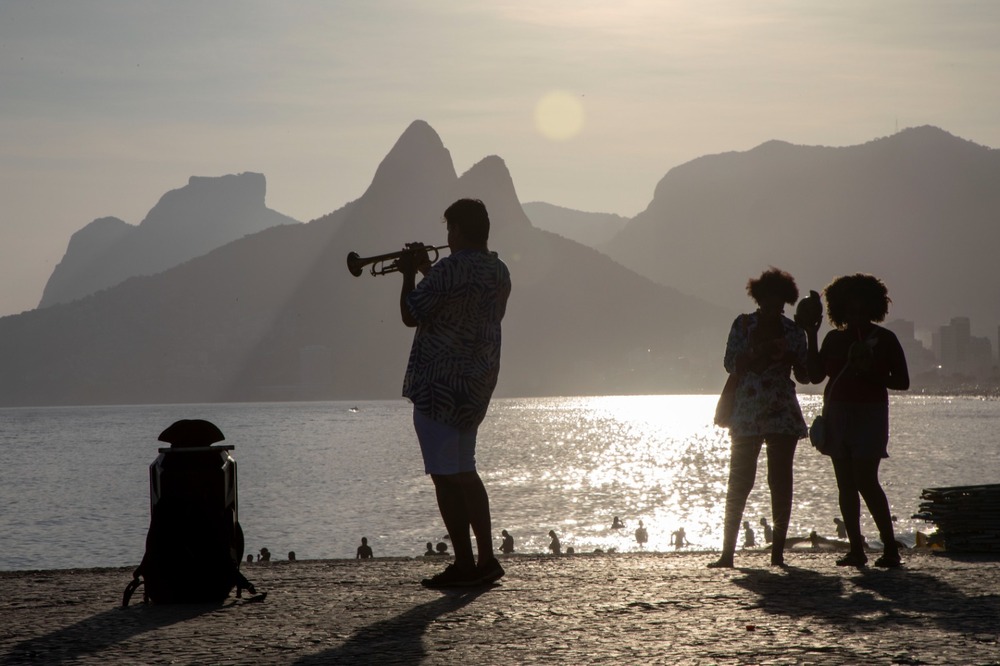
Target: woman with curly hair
{"x":763,"y":350}
{"x":862,"y":360}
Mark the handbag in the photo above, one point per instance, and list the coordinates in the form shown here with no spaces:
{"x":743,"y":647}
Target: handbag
{"x":727,"y":401}
{"x":817,"y":431}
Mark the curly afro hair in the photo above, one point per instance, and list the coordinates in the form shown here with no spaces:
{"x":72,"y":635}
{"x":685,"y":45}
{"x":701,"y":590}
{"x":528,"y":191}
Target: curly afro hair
{"x":773,"y":282}
{"x":866,"y":290}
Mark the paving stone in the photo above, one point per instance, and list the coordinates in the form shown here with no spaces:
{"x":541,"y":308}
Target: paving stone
{"x":627,"y":608}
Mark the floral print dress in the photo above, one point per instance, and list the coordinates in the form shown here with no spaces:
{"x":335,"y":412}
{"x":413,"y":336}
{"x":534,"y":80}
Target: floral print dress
{"x":765,"y":402}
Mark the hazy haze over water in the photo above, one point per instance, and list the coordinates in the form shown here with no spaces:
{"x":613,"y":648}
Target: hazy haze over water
{"x":316,"y":477}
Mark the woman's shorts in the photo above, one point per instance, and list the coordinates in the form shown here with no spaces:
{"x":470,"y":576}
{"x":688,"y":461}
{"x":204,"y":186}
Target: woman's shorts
{"x":446,"y":449}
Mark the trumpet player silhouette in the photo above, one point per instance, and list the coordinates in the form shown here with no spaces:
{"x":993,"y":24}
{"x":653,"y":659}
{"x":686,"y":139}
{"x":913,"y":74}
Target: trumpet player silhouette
{"x":453,"y":367}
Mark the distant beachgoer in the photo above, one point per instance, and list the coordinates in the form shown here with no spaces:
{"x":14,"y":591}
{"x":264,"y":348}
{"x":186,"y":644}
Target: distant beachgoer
{"x":291,"y":556}
{"x":264,"y":556}
{"x":456,"y":311}
{"x":442,"y":548}
{"x":768,"y":532}
{"x":507,"y":547}
{"x":863,"y":361}
{"x":250,"y":558}
{"x":554,"y":545}
{"x":748,"y":536}
{"x":641,"y":535}
{"x":570,"y":550}
{"x":814,"y":540}
{"x":364,"y":550}
{"x":430,"y":550}
{"x":617,"y":524}
{"x":763,"y":349}
{"x":841,"y":528}
{"x":679,"y":539}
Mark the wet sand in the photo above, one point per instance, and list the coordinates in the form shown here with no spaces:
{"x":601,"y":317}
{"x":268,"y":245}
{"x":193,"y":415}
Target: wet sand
{"x":580,"y":609}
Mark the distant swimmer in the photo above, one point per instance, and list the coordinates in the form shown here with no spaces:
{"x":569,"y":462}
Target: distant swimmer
{"x":768,"y":532}
{"x":617,"y":524}
{"x":364,"y":550}
{"x":554,"y":545}
{"x":841,"y":528}
{"x":679,"y":539}
{"x":641,"y":536}
{"x":507,"y":547}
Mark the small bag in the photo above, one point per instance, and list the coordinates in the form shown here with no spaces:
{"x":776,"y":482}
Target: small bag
{"x":727,"y":399}
{"x":817,"y":431}
{"x":727,"y":402}
{"x":817,"y":434}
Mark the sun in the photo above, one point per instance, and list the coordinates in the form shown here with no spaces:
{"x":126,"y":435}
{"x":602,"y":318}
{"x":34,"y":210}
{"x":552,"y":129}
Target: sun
{"x":559,"y":116}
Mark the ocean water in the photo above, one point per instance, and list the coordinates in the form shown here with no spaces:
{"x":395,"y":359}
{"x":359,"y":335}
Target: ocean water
{"x":315,"y":477}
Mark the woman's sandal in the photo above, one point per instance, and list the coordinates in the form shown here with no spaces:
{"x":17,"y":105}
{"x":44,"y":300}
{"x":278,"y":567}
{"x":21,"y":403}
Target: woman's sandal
{"x":889,"y":561}
{"x":853,"y":560}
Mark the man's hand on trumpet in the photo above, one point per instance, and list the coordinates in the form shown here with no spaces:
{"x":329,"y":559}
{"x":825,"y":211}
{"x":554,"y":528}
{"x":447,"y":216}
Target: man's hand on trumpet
{"x":415,"y":260}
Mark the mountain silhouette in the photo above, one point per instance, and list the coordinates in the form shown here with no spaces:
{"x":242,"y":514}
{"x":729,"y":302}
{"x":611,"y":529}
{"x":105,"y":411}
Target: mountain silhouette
{"x":918,"y":209}
{"x":276,"y":315}
{"x":593,"y":229}
{"x":185,"y":223}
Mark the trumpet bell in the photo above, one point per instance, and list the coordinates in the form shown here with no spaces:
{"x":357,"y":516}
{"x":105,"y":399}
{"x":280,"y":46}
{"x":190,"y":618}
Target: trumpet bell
{"x":355,"y":264}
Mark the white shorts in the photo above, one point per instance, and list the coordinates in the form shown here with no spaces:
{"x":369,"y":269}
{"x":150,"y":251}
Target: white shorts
{"x":446,"y":449}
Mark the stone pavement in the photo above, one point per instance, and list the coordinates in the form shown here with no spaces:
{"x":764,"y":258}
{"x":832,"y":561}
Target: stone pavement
{"x":618,"y":608}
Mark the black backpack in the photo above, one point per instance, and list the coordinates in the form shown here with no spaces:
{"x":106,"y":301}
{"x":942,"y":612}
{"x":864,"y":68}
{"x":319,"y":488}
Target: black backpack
{"x":194,"y":546}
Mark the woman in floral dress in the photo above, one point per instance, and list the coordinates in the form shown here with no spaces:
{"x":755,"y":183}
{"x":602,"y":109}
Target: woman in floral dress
{"x":764,"y":349}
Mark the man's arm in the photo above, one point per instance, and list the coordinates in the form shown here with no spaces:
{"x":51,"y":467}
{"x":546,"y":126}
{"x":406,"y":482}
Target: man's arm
{"x":408,"y":267}
{"x":409,"y":284}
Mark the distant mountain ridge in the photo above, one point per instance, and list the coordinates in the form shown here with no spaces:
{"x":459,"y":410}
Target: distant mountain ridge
{"x":275,"y":315}
{"x":593,"y":229}
{"x":919,"y":209}
{"x":187,"y":222}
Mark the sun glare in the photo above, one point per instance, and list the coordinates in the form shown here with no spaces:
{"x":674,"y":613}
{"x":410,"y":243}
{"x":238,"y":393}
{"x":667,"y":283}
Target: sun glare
{"x":559,"y":116}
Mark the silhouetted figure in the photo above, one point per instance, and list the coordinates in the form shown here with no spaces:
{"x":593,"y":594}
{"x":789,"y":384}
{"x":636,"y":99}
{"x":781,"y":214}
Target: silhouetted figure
{"x":250,"y":558}
{"x":450,"y":376}
{"x":814,"y":540}
{"x":364,"y":550}
{"x":291,"y":556}
{"x":749,"y":540}
{"x":264,"y":556}
{"x":841,"y":528}
{"x":554,"y":544}
{"x":863,"y":360}
{"x":763,"y":349}
{"x":679,"y":539}
{"x":768,"y":532}
{"x":507,"y":547}
{"x":442,"y":548}
{"x":617,"y":524}
{"x":641,"y":535}
{"x":430,"y":550}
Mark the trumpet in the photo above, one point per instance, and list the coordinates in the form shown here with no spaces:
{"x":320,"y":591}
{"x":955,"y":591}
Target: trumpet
{"x":388,"y":262}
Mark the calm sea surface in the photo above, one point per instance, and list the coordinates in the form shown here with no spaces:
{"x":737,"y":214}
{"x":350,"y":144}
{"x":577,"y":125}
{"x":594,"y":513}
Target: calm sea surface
{"x":316,"y":477}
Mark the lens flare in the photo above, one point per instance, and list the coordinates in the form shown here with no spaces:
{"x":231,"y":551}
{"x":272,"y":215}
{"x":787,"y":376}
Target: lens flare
{"x":559,"y":116}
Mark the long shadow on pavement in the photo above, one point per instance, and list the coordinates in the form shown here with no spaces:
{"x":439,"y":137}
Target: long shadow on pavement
{"x":896,"y":596}
{"x":94,"y":634}
{"x":398,"y":640}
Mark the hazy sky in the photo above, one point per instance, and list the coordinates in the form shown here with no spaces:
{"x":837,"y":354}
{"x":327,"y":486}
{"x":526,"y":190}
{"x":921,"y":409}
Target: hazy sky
{"x":108,"y":105}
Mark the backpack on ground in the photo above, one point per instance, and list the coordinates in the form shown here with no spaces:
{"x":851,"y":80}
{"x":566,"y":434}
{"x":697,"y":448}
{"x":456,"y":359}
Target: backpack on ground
{"x":194,"y":546}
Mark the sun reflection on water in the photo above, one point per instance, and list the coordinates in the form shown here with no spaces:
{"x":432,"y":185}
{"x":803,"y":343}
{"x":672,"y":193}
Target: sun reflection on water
{"x":658,"y":459}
